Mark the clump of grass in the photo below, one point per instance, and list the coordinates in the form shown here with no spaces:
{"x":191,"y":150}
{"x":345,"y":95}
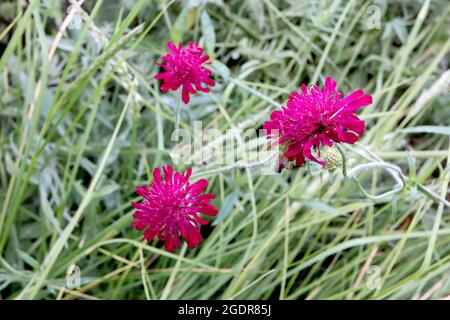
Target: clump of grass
{"x":82,"y":121}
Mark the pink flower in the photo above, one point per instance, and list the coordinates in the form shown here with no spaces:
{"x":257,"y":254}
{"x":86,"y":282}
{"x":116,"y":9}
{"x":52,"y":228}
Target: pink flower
{"x":184,"y":67}
{"x":313,"y":118}
{"x":170,"y":208}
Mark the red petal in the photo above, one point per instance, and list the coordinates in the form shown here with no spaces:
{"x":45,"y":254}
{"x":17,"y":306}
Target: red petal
{"x":198,"y":187}
{"x":208,"y":210}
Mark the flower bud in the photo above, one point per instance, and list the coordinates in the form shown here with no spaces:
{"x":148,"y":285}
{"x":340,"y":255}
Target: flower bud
{"x":332,"y":157}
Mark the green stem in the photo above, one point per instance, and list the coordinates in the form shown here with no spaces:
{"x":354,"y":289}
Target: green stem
{"x":344,"y":159}
{"x":179,"y":103}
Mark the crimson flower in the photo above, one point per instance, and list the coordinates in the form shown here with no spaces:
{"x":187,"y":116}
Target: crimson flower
{"x":183,"y":67}
{"x":313,"y":118}
{"x":170,"y":208}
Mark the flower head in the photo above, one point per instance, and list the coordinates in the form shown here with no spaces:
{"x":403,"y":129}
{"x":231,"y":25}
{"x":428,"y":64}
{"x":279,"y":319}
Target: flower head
{"x":313,"y":118}
{"x":170,"y":208}
{"x":183,"y":67}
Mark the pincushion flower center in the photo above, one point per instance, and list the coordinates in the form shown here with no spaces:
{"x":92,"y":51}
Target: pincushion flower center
{"x":184,"y":72}
{"x":320,"y":127}
{"x":174,"y":203}
{"x":186,"y":68}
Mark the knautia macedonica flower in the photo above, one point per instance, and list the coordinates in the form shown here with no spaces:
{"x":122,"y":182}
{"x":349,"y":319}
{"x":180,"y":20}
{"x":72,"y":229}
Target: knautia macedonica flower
{"x":171,"y":208}
{"x":184,"y":67}
{"x":313,"y":118}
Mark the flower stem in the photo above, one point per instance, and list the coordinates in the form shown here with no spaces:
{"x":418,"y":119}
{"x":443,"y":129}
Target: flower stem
{"x":179,"y":103}
{"x":344,"y":159}
{"x":394,"y":171}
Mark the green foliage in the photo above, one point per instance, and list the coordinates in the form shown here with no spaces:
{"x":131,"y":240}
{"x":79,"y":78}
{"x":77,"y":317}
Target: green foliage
{"x":79,"y":131}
